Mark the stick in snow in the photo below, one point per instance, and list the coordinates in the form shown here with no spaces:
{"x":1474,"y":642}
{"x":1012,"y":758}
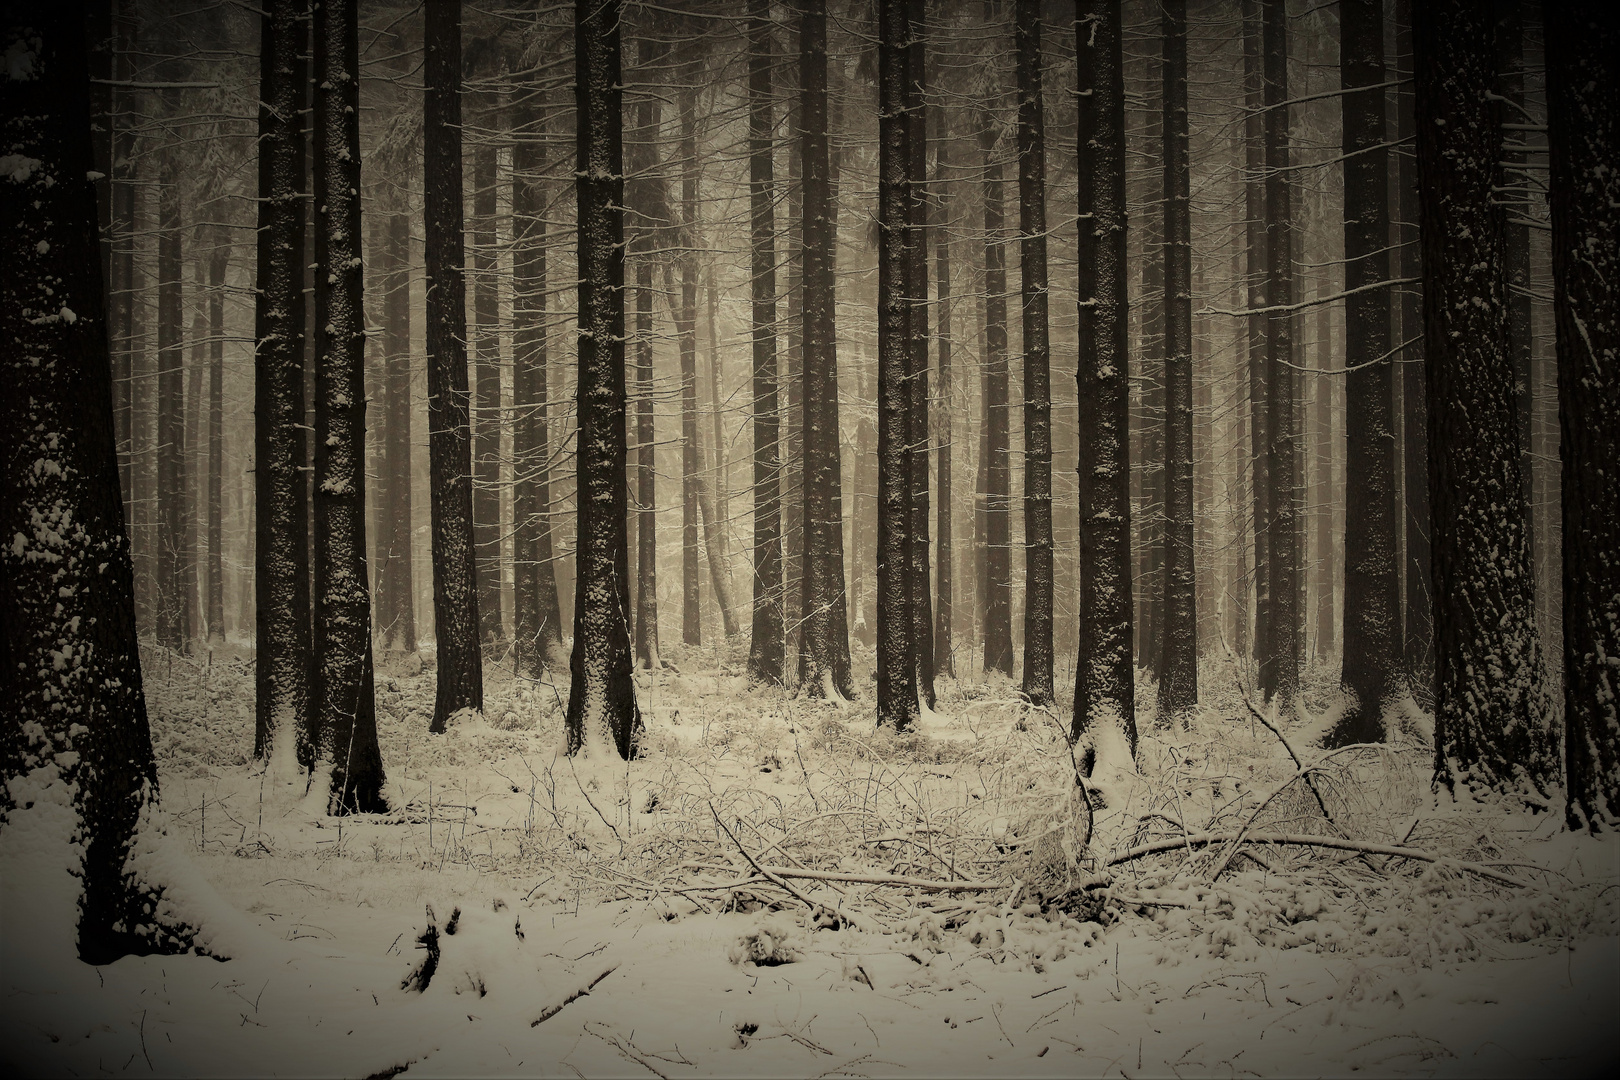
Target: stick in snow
{"x":553,"y":1010}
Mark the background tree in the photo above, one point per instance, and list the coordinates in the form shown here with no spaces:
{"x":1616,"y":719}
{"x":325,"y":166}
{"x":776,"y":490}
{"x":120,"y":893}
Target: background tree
{"x":997,"y":633}
{"x":917,"y":336}
{"x":460,"y":669}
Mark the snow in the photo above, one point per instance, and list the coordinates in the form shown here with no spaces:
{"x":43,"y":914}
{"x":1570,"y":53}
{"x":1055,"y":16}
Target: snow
{"x":544,"y":887}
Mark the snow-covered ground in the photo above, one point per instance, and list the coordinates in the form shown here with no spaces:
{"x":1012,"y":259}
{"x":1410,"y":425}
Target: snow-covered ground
{"x":508,"y":880}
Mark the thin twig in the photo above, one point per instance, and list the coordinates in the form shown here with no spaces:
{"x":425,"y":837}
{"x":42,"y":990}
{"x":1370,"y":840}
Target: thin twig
{"x":553,"y":1010}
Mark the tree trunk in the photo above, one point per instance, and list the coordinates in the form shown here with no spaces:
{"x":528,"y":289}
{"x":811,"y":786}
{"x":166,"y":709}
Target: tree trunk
{"x":1255,"y":241}
{"x":69,"y":592}
{"x":1490,"y":719}
{"x":398,"y":577}
{"x":602,"y":715}
{"x":1105,"y":685}
{"x":765,"y":648}
{"x":172,"y":631}
{"x":896,"y":662}
{"x":1037,"y":359}
{"x":998,"y":650}
{"x":645,"y":189}
{"x":1178,"y":671}
{"x":916,"y":291}
{"x":1583,"y":40}
{"x":121,"y":301}
{"x":824,"y":654}
{"x":344,"y":713}
{"x":1514,"y":184}
{"x":1418,"y":599}
{"x":194,"y":462}
{"x":944,"y":576}
{"x":1279,"y":665}
{"x":281,"y":577}
{"x":1371,"y":675}
{"x":460,"y":668}
{"x":486,"y":426}
{"x":536,"y":617}
{"x":216,"y":441}
{"x":686,"y":330}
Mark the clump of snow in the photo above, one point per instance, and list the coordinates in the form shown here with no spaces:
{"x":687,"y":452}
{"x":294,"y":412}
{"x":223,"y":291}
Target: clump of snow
{"x":770,"y":940}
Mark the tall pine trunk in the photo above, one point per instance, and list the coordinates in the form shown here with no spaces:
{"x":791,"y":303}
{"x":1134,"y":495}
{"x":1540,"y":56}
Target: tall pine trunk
{"x":1255,"y":241}
{"x":1372,"y":677}
{"x":686,"y":331}
{"x":916,"y":288}
{"x":537,"y":620}
{"x":1490,"y":719}
{"x":486,"y":419}
{"x":280,"y":571}
{"x":645,"y":189}
{"x":1583,"y":41}
{"x":1279,"y":664}
{"x":460,"y":668}
{"x":397,"y":573}
{"x":344,"y":711}
{"x":173,"y":629}
{"x":1178,"y":671}
{"x":998,"y":650}
{"x":1037,"y":358}
{"x":215,"y":577}
{"x":602,"y":716}
{"x":896,"y":662}
{"x":824,"y":654}
{"x":765,"y":647}
{"x":944,"y":566}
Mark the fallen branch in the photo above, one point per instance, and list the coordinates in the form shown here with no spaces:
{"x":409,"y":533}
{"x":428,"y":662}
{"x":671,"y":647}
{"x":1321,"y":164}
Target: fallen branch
{"x":1334,"y":842}
{"x":896,"y":880}
{"x":553,"y":1010}
{"x":776,"y":879}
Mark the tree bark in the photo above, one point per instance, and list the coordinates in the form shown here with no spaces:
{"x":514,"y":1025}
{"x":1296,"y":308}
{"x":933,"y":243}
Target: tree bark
{"x":281,"y":576}
{"x":686,"y":330}
{"x":602,"y":715}
{"x":916,"y":291}
{"x":1037,"y":358}
{"x":486,"y":419}
{"x":944,"y":567}
{"x":896,"y":662}
{"x":172,"y":609}
{"x":645,"y":190}
{"x":398,"y":577}
{"x":1490,"y":720}
{"x":998,"y":650}
{"x":1279,"y":665}
{"x":460,"y":669}
{"x":76,"y":715}
{"x":765,"y":648}
{"x":215,"y":577}
{"x":1255,"y":241}
{"x":1583,"y":40}
{"x":1371,"y":675}
{"x":1514,"y":183}
{"x":1105,"y":684}
{"x":1178,"y":671}
{"x":344,"y":713}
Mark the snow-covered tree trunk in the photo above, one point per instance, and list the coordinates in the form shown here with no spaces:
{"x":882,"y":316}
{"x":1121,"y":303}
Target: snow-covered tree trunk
{"x":537,"y":621}
{"x":1372,"y":675}
{"x":1583,"y":42}
{"x":1279,"y":664}
{"x":686,"y":332}
{"x":172,"y":627}
{"x":1255,"y":240}
{"x":602,"y":714}
{"x":215,"y":577}
{"x":1105,"y":684}
{"x":896,"y":664}
{"x":486,"y":362}
{"x":397,"y":573}
{"x":1490,"y":701}
{"x":75,"y":749}
{"x":460,"y":668}
{"x":916,"y":291}
{"x":824,"y":654}
{"x":280,"y":551}
{"x":343,"y":708}
{"x":1178,"y":670}
{"x":997,"y":632}
{"x":944,"y":565}
{"x":645,"y":190}
{"x":765,"y":647}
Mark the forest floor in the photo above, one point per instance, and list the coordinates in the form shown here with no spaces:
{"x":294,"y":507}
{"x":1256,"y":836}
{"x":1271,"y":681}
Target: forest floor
{"x":454,"y":935}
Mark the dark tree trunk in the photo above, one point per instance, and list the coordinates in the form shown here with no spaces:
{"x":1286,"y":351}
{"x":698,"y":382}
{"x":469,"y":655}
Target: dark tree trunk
{"x":460,"y":668}
{"x":998,"y":650}
{"x":824,"y":653}
{"x":1279,"y":665}
{"x":916,"y":289}
{"x":1583,"y":41}
{"x":686,"y":330}
{"x":602,"y":714}
{"x":645,"y":190}
{"x":1105,"y":685}
{"x":1490,"y":721}
{"x":194,"y":462}
{"x":537,"y":621}
{"x":1255,"y":241}
{"x":486,"y":427}
{"x":944,"y":567}
{"x":1178,"y":671}
{"x":896,"y":662}
{"x":281,"y":576}
{"x":172,"y":609}
{"x":1418,"y":593}
{"x":1514,"y":183}
{"x":344,"y":712}
{"x":792,"y":415}
{"x":215,"y":577}
{"x":67,"y":591}
{"x":398,"y":578}
{"x":766,"y":639}
{"x":1372,"y":677}
{"x":121,"y":300}
{"x":1037,"y":359}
